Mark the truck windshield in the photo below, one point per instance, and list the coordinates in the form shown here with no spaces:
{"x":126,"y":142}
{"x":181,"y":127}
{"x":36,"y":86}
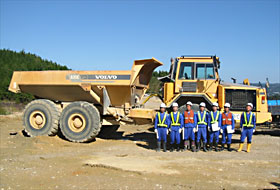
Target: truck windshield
{"x":186,"y":71}
{"x":205,"y":71}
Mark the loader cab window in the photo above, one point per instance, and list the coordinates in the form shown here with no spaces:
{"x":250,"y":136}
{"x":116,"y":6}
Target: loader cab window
{"x":210,"y":71}
{"x":205,"y":71}
{"x":186,"y":71}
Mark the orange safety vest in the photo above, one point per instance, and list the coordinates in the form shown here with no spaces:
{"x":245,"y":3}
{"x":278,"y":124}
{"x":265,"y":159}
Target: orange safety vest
{"x":227,"y":119}
{"x":189,"y":117}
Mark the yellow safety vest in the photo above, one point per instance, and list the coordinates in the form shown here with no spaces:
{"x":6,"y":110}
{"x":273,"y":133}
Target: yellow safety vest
{"x":177,"y":119}
{"x":217,"y":117}
{"x":203,"y":118}
{"x":246,"y":124}
{"x":161,"y":123}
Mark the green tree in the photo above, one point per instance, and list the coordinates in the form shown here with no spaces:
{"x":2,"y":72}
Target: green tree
{"x":11,"y":61}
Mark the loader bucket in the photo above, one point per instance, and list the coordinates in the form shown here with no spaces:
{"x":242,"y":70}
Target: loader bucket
{"x":142,"y":70}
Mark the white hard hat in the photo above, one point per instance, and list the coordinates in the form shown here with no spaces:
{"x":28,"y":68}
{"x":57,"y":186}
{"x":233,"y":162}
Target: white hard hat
{"x":162,"y":105}
{"x":174,"y":104}
{"x":215,"y":104}
{"x":227,"y":105}
{"x":250,"y":104}
{"x":189,"y":103}
{"x":202,"y":104}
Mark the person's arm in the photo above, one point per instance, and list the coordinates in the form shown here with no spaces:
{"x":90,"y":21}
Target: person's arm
{"x":169,"y":121}
{"x":232,"y":122}
{"x":254,"y":120}
{"x":195,"y":119}
{"x":241,"y":120}
{"x":156,"y":121}
{"x":208,"y":120}
{"x":181,"y":120}
{"x":220,"y":120}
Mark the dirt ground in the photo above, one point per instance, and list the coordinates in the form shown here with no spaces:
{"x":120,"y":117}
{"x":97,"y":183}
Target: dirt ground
{"x":127,"y":160}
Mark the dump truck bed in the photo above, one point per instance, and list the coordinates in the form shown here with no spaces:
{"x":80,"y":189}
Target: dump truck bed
{"x":69,"y":86}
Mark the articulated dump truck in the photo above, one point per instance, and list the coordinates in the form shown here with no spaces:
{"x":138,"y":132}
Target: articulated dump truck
{"x":79,"y":102}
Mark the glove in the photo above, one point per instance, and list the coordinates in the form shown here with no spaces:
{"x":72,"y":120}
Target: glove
{"x":254,"y":130}
{"x":209,"y":129}
{"x":221,"y":131}
{"x":155,"y":130}
{"x":167,"y":131}
{"x":180,"y":130}
{"x":194,"y":130}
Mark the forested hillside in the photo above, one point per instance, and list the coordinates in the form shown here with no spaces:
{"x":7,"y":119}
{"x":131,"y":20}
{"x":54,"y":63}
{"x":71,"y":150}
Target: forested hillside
{"x":155,"y":84}
{"x":20,"y":61}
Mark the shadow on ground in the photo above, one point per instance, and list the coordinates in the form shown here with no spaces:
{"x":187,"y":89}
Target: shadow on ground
{"x":277,"y":185}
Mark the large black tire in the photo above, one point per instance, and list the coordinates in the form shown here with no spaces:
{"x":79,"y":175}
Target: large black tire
{"x":89,"y":119}
{"x":49,"y":114}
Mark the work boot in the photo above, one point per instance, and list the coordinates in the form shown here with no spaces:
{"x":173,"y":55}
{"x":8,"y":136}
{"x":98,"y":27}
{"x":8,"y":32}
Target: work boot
{"x":210,"y":146}
{"x":223,"y":147}
{"x":197,"y":147}
{"x":178,"y":148}
{"x":240,"y":147}
{"x":216,"y":147}
{"x":204,"y":147}
{"x":248,"y":147}
{"x":228,"y":148}
{"x":158,"y":147}
{"x":164,"y":146}
{"x":172,"y":148}
{"x":192,"y":146}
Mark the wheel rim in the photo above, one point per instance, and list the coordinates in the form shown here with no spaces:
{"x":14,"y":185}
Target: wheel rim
{"x":37,"y":119}
{"x":77,"y":122}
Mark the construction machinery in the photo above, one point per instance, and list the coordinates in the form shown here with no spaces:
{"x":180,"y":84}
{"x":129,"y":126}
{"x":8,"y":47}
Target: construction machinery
{"x":196,"y":79}
{"x":79,"y":102}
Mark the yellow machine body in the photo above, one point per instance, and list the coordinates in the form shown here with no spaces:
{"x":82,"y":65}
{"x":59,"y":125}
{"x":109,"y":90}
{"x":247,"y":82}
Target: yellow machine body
{"x":196,"y":79}
{"x":115,"y":93}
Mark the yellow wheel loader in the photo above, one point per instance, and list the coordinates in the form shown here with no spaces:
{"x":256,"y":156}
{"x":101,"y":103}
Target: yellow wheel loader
{"x":79,"y":102}
{"x":196,"y":79}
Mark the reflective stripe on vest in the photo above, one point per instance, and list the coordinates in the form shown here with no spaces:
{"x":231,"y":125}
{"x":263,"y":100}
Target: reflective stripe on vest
{"x":227,"y":118}
{"x":189,"y":117}
{"x":250,"y":120}
{"x":203,"y":118}
{"x":217,"y":117}
{"x":177,"y":119}
{"x":161,"y":123}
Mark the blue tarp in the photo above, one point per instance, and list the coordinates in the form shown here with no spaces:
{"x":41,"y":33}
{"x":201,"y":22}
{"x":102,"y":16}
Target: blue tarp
{"x":273,"y":102}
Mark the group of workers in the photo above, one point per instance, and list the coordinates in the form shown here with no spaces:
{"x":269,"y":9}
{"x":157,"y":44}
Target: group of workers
{"x":192,"y":126}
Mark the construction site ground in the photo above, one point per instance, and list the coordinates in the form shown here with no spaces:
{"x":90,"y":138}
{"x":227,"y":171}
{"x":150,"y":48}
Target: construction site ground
{"x":124,"y":158}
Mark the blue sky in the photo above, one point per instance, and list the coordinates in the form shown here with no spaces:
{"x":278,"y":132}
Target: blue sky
{"x":109,"y":35}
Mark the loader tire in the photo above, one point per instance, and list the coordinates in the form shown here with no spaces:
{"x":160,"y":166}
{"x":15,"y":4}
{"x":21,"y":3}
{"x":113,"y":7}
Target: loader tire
{"x":80,"y":122}
{"x":41,"y":118}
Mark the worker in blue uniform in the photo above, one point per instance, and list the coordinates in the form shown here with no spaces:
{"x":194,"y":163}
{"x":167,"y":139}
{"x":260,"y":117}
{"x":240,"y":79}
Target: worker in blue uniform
{"x":202,"y":123}
{"x":214,"y":125}
{"x":176,"y":124}
{"x":227,"y":128}
{"x":189,"y":125}
{"x":162,"y":124}
{"x":248,"y":126}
